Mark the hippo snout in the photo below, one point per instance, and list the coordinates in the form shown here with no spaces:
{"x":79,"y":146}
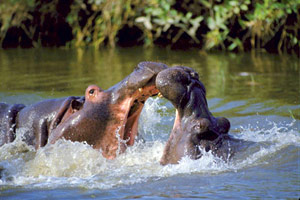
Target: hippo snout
{"x":172,"y":84}
{"x":194,"y":127}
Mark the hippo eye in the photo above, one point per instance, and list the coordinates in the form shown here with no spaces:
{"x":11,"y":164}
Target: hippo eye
{"x":92,"y":91}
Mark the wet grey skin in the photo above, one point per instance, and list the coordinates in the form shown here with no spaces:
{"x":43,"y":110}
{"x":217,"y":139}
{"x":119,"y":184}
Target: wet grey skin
{"x":195,"y":128}
{"x":105,"y":119}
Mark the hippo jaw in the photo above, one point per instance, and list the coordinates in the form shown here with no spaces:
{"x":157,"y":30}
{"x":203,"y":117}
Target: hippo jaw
{"x":127,"y":101}
{"x":134,"y":109}
{"x":188,"y":136}
{"x":195,"y":127}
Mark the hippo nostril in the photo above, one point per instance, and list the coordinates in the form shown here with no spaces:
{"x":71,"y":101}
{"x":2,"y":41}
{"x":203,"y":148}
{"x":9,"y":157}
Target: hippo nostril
{"x":92,"y":91}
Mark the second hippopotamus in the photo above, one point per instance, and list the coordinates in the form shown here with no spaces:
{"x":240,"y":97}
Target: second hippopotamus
{"x":195,"y":129}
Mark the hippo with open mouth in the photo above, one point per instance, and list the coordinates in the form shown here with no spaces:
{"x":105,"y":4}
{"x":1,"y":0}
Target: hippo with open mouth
{"x":195,"y":129}
{"x":105,"y":119}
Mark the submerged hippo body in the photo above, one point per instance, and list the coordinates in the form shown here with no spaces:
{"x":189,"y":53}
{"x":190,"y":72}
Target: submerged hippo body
{"x":36,"y":122}
{"x":195,"y":128}
{"x":105,"y":119}
{"x":8,"y":115}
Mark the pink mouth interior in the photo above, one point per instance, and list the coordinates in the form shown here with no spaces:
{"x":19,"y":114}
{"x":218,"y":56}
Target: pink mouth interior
{"x":131,"y":124}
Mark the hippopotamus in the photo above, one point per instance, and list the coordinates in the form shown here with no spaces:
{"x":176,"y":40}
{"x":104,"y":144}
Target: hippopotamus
{"x":104,"y":119}
{"x":195,"y":129}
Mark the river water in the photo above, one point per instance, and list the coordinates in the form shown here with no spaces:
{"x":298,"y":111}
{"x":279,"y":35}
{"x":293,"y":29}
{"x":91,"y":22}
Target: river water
{"x":258,"y":92}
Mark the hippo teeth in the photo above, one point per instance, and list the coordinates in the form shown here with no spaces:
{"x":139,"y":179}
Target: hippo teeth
{"x":160,"y":95}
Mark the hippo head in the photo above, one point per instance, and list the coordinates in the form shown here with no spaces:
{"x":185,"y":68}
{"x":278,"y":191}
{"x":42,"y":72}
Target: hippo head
{"x":195,"y":128}
{"x":108,"y":119}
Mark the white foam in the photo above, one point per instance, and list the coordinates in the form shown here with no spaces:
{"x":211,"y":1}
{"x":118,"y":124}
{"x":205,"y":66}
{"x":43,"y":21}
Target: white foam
{"x":156,"y":115}
{"x":283,"y":134}
{"x":74,"y":164}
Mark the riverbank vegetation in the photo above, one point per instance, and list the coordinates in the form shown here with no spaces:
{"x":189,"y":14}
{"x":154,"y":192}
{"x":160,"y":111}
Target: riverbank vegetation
{"x":206,"y":24}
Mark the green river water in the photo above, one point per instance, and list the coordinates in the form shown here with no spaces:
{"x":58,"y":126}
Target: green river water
{"x":258,"y":92}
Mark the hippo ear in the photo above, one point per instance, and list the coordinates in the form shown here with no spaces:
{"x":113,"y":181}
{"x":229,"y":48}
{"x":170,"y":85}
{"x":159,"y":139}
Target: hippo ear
{"x":68,"y":107}
{"x":223,"y":125}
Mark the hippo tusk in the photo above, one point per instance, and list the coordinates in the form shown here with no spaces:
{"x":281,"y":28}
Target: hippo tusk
{"x":160,"y":95}
{"x":140,"y":90}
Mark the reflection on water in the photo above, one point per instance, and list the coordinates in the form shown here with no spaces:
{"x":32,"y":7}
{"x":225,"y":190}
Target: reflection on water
{"x":259,"y":93}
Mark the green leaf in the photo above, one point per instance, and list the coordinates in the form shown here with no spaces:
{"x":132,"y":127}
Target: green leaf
{"x":157,"y":12}
{"x":173,"y":12}
{"x":211,"y":23}
{"x":30,"y":3}
{"x":196,"y":21}
{"x":233,"y":3}
{"x":70,"y":19}
{"x":232,"y":46}
{"x":244,"y":7}
{"x":206,"y":3}
{"x":166,"y":6}
{"x":295,"y":40}
{"x":236,"y":10}
{"x":188,"y":15}
{"x":242,"y":23}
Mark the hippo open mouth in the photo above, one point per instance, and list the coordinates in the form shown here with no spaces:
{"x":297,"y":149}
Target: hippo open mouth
{"x":120,"y":106}
{"x":134,"y":112}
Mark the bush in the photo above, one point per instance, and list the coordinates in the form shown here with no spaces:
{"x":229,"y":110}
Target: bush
{"x":222,"y":24}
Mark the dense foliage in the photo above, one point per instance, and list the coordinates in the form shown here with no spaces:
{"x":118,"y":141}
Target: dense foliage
{"x":221,"y":24}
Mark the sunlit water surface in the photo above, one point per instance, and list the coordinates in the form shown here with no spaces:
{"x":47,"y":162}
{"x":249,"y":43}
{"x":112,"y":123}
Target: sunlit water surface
{"x":259,"y":93}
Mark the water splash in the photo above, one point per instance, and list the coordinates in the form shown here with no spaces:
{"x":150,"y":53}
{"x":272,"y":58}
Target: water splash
{"x":285,"y":133}
{"x":269,"y":138}
{"x":74,"y":164}
{"x":157,"y":114}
